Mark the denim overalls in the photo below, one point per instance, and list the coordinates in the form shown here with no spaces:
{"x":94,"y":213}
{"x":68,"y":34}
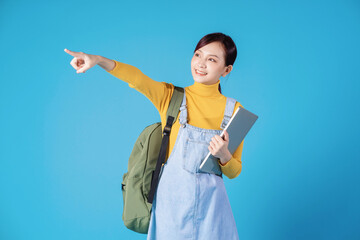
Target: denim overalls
{"x":190,"y":204}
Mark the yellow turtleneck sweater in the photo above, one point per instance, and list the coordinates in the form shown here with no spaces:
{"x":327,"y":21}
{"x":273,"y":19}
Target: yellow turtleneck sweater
{"x":201,"y":100}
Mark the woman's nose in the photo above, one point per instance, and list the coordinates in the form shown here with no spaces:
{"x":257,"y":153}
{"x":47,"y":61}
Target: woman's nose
{"x":201,"y":64}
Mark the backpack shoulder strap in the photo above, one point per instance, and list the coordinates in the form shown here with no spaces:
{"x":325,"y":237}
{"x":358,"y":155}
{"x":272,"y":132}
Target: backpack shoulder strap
{"x":175,"y":103}
{"x":171,"y":115}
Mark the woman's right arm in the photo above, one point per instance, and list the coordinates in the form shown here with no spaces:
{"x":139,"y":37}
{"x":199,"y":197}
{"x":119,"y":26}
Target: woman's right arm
{"x":159,"y":93}
{"x":106,"y":63}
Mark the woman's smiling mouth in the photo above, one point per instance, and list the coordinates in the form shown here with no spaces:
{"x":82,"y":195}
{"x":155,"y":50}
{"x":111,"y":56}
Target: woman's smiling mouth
{"x":200,"y":73}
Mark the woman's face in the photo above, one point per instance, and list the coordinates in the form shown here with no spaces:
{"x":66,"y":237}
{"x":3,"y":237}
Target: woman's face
{"x":210,"y":59}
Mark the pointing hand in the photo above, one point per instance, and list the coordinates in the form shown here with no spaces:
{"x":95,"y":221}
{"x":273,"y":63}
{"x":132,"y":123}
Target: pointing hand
{"x":82,"y":61}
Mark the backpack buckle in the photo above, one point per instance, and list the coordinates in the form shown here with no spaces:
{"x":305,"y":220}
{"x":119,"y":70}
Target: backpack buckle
{"x":167,"y":129}
{"x":168,"y":126}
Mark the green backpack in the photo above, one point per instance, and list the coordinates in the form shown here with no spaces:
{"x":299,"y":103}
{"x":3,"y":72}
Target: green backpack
{"x":146,"y":159}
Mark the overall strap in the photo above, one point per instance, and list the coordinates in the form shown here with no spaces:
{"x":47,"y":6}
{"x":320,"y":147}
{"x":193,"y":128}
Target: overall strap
{"x":229,"y":109}
{"x":183,"y":111}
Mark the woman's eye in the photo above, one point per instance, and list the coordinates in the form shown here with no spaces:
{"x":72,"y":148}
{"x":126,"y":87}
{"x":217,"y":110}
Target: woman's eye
{"x":211,"y":59}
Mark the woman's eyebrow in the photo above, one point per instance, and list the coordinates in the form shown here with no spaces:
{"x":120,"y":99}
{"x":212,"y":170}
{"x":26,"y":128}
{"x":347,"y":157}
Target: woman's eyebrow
{"x":210,"y":54}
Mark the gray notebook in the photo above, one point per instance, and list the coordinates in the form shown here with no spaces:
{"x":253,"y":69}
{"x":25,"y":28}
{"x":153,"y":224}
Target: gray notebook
{"x":237,"y":128}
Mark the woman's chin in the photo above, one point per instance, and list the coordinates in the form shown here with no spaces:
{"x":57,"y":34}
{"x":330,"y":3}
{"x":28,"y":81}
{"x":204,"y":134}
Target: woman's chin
{"x":199,"y":79}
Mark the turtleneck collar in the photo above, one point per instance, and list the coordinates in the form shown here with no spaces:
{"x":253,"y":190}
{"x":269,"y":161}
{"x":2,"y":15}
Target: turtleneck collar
{"x":204,"y":90}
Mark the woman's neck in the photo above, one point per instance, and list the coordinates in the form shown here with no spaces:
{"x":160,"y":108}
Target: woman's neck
{"x":204,"y":90}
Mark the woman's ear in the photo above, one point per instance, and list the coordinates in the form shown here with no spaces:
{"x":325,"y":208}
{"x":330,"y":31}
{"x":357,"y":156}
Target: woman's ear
{"x":227,"y":70}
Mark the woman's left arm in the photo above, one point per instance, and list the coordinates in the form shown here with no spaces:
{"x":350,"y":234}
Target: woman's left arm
{"x":233,"y":167}
{"x":230,"y":164}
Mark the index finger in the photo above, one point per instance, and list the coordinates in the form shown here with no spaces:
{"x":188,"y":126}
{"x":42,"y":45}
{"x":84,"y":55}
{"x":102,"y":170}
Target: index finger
{"x":74,"y":54}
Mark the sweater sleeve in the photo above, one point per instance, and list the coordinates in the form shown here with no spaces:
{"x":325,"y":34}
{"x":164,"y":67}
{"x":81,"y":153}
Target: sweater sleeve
{"x":159,"y":93}
{"x":233,"y":167}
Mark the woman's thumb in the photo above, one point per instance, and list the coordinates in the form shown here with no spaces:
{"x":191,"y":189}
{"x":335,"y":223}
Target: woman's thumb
{"x":82,"y":70}
{"x":226,"y":135}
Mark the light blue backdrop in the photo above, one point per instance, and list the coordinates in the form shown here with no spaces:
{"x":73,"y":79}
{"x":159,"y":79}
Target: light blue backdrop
{"x":66,"y":137}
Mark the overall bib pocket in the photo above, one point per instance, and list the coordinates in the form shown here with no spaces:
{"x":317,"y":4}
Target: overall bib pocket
{"x":194,"y":153}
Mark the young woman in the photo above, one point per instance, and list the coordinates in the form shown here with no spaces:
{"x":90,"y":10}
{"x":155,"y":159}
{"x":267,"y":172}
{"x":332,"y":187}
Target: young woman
{"x":189,"y":204}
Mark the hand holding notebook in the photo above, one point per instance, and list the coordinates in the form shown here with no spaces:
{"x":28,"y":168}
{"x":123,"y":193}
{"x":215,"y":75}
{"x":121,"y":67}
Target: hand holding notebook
{"x":237,"y":128}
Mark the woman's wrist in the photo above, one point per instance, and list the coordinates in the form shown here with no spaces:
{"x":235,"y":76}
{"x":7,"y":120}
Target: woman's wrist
{"x":224,"y":160}
{"x":105,"y":63}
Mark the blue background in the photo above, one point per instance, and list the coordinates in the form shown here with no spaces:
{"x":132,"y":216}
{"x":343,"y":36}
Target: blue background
{"x":66,"y":137}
